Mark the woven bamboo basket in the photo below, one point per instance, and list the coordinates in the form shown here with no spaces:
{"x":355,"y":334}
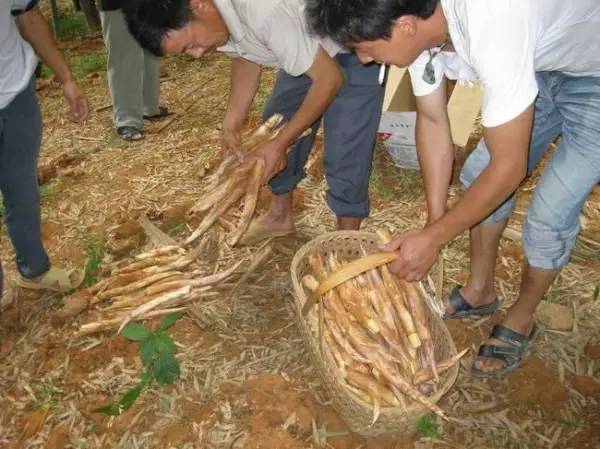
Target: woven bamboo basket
{"x":357,"y":413}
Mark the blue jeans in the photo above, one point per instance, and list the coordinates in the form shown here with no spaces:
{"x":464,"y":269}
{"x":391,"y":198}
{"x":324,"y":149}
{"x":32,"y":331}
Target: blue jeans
{"x":350,"y":125}
{"x":20,"y":138}
{"x":569,"y":106}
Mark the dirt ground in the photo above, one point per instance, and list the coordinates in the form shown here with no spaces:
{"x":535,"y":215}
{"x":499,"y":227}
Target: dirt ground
{"x":247,"y":379}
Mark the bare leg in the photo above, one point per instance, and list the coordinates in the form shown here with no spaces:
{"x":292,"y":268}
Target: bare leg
{"x":534,"y":285}
{"x":348,"y":223}
{"x":484,"y":242}
{"x":280,"y":213}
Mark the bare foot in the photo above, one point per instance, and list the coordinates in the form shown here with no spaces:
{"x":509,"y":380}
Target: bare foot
{"x":473,"y":297}
{"x":516,"y":321}
{"x":276,"y":221}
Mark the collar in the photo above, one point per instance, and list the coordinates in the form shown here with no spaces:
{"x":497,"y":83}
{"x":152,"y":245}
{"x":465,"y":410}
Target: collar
{"x":232,"y":19}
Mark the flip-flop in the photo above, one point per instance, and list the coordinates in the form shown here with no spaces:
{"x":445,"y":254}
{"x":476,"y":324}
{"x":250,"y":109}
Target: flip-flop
{"x":257,"y":231}
{"x":163,"y":112}
{"x":129,"y":133}
{"x":55,"y":279}
{"x":462,"y":308}
{"x":519,"y":346}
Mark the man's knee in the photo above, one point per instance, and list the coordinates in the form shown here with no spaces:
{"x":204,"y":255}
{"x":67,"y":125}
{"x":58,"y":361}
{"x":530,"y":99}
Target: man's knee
{"x":547,"y":242}
{"x":474,"y":165}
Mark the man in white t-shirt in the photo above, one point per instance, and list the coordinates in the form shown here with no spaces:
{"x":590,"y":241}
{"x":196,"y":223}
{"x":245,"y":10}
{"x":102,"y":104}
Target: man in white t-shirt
{"x":25,"y":36}
{"x":317,"y":78}
{"x":538,"y":62}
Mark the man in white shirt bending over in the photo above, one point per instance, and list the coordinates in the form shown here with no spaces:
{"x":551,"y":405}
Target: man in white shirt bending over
{"x":317,"y":78}
{"x":538,"y":62}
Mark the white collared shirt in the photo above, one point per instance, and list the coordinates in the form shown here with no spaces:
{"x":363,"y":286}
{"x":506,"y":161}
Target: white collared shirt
{"x":502,"y":43}
{"x":272,"y":33}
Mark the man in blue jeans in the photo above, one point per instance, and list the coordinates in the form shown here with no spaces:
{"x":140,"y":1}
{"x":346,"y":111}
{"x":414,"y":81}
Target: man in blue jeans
{"x":317,"y":78}
{"x":539,"y":66}
{"x":24,"y":32}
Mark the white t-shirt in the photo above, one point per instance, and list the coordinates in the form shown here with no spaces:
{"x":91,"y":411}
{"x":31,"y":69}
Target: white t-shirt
{"x":17,"y":58}
{"x":502,"y":43}
{"x":272,"y":33}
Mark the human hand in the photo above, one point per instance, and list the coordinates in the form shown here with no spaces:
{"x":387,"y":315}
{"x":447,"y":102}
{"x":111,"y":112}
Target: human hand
{"x":230,"y":144}
{"x":78,"y":104}
{"x":274,"y":156}
{"x":417,"y":252}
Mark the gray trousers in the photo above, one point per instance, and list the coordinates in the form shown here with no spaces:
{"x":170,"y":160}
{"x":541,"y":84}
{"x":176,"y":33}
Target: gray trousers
{"x":20,"y":138}
{"x":133,"y":73}
{"x":350,"y":124}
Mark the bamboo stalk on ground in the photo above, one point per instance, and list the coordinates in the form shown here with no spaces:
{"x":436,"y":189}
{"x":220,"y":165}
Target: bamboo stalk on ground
{"x":170,"y":296}
{"x":131,"y":287}
{"x":113,"y":323}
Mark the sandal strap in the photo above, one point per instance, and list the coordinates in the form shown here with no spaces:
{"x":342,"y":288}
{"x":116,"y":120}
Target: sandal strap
{"x":498,"y":352}
{"x":457,"y":301}
{"x":511,"y":337}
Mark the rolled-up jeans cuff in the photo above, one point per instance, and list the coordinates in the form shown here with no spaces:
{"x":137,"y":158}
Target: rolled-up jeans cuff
{"x":548,"y":249}
{"x":343,"y":209}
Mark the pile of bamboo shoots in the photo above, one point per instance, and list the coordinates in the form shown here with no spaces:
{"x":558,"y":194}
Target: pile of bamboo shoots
{"x":375,"y":327}
{"x":152,"y":284}
{"x":232,"y":190}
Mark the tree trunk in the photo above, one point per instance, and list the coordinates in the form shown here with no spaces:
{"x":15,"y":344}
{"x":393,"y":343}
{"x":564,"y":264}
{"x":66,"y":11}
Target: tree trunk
{"x":90,"y":11}
{"x":54,"y":9}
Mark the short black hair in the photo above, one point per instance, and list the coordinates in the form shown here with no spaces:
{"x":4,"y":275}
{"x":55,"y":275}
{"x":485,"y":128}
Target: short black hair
{"x":351,"y":21}
{"x":150,"y":20}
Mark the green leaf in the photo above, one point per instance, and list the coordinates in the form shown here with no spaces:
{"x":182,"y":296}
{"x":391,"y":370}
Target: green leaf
{"x":136,"y":332}
{"x":129,"y":398}
{"x":166,"y":368}
{"x":164,"y":343}
{"x":147,"y":350}
{"x":117,"y":408}
{"x":168,"y":321}
{"x":110,"y":410}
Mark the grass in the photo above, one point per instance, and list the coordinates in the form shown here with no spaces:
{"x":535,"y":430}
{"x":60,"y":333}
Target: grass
{"x":429,"y":427}
{"x":81,"y":65}
{"x":94,"y":248}
{"x":84,"y":64}
{"x":73,"y":25}
{"x":176,"y":229}
{"x":46,"y":395}
{"x":377,"y":184}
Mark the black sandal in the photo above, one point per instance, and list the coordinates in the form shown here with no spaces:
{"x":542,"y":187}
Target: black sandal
{"x":462,"y":308}
{"x":129,"y":133}
{"x":163,"y":112}
{"x":512,"y":355}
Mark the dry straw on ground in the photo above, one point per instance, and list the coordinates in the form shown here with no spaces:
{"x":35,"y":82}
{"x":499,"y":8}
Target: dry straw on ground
{"x":228,"y":346}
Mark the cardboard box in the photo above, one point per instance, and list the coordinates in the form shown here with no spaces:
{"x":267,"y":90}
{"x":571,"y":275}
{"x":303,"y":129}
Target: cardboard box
{"x":397,"y":126}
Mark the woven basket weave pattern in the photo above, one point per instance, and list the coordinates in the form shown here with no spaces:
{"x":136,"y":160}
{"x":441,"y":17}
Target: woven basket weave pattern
{"x":358,"y":414}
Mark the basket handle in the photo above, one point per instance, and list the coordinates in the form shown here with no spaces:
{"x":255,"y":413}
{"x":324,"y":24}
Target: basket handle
{"x":347,"y":272}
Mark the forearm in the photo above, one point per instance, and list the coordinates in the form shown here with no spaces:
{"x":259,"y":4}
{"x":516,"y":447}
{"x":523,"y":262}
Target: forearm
{"x":327,"y":80}
{"x":318,"y":97}
{"x":35,"y":30}
{"x":508,"y":147}
{"x":245,"y":79}
{"x":491,"y":188}
{"x":436,"y":156}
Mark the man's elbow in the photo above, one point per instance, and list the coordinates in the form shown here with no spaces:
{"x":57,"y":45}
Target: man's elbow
{"x":515,"y":172}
